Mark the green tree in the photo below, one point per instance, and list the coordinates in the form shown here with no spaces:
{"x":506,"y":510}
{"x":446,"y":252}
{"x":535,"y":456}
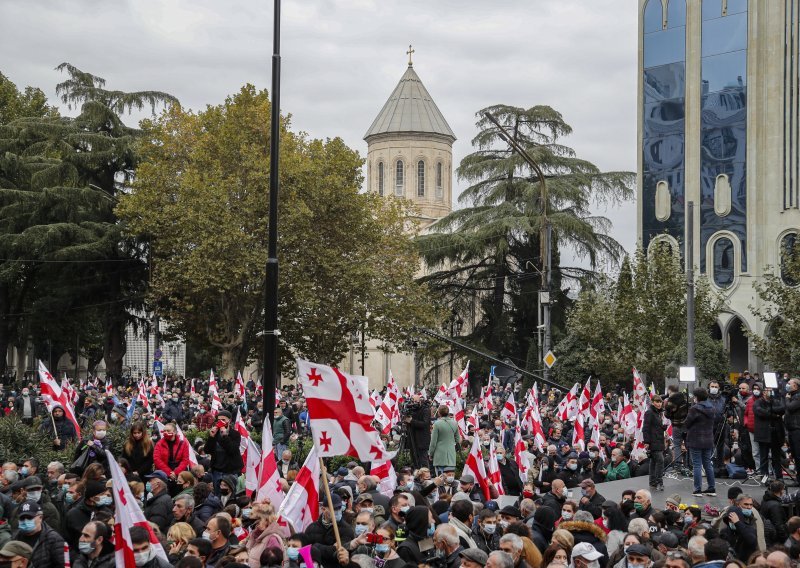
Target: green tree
{"x":488,"y":252}
{"x":61,"y":177}
{"x":778,"y":309}
{"x":639,"y":320}
{"x":200,"y":198}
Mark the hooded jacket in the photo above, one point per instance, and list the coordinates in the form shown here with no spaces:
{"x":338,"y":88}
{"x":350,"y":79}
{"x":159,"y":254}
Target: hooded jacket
{"x":773,"y":511}
{"x":542,"y":528}
{"x":699,"y":426}
{"x":417,"y":523}
{"x":588,"y":532}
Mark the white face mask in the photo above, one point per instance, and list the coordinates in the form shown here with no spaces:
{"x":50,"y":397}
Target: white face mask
{"x":100,"y":434}
{"x":713,"y":390}
{"x":142,"y":558}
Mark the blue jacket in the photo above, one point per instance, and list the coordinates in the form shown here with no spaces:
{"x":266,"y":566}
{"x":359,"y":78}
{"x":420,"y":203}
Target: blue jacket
{"x":699,"y":426}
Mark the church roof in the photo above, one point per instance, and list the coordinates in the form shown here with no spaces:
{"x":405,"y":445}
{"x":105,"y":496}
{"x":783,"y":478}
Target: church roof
{"x":410,"y":108}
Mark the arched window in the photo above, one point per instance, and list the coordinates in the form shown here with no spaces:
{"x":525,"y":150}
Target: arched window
{"x":653,"y":16}
{"x":676,"y":13}
{"x":420,"y":179}
{"x":439,"y":180}
{"x":380,"y":178}
{"x":723,"y":262}
{"x":398,"y":179}
{"x":790,"y":261}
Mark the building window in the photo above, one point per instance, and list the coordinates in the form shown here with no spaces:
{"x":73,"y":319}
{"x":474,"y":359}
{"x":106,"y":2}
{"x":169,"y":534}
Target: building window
{"x":439,"y":180}
{"x":723,"y":262}
{"x":380,"y":178}
{"x":398,"y":179}
{"x":420,"y":179}
{"x":789,"y":255}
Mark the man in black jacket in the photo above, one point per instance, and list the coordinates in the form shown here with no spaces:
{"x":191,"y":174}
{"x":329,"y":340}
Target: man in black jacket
{"x":47,"y":544}
{"x":320,"y":532}
{"x":223,"y":447}
{"x":772,"y":510}
{"x":419,"y":422}
{"x":591,"y":500}
{"x":792,"y":418}
{"x":653,"y":436}
{"x":675,"y":409}
{"x":158,"y":507}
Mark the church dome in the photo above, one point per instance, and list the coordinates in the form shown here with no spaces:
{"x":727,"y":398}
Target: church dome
{"x":410,"y":109}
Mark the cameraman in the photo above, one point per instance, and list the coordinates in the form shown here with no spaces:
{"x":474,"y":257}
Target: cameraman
{"x":676,"y":408}
{"x":718,"y":403}
{"x":419,"y":424}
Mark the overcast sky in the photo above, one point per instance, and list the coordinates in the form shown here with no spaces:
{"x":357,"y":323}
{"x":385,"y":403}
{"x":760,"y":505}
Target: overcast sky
{"x":342,"y":59}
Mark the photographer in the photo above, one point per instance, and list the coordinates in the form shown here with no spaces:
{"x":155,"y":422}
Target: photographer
{"x":675,"y":409}
{"x":769,"y":411}
{"x":418,"y":414}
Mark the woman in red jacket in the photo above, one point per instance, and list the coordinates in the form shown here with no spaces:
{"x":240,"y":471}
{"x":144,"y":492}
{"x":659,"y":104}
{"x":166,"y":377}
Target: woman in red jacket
{"x":171,"y":455}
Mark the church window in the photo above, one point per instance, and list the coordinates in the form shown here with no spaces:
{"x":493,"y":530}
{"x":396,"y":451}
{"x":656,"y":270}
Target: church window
{"x":421,"y":179}
{"x":723,"y":262}
{"x":439,"y":180}
{"x":380,"y":178}
{"x":398,"y":179}
{"x":789,"y":259}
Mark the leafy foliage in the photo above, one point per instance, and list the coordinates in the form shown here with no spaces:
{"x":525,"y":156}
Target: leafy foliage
{"x":639,"y":321}
{"x":488,"y":253}
{"x":200,"y":198}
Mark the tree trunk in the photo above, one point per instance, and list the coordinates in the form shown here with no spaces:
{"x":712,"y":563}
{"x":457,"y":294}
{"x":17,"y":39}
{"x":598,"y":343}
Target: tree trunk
{"x":229,"y":362}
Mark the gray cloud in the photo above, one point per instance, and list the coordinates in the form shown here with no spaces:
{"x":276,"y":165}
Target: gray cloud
{"x":342,"y":58}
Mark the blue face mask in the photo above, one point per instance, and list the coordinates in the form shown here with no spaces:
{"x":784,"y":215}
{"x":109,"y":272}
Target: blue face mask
{"x":27,"y":525}
{"x":148,"y":487}
{"x":104,"y":501}
{"x":747,"y":512}
{"x":431,"y":530}
{"x":293,"y":553}
{"x":24,"y":471}
{"x":338,"y":515}
{"x":69,"y":498}
{"x":360,"y":529}
{"x":381,"y":548}
{"x":246,"y":513}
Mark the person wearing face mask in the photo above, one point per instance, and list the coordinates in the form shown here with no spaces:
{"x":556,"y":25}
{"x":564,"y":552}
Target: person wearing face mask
{"x":266,"y":532}
{"x":33,"y":491}
{"x":486,"y":533}
{"x":447,"y":546}
{"x":82,"y":509}
{"x":676,"y":407}
{"x":363,"y":525}
{"x":638,"y":556}
{"x":420,"y":527}
{"x":144,"y":554}
{"x":718,"y":402}
{"x":173,"y":410}
{"x":26,"y":406}
{"x":96,"y":547}
{"x":158,"y":504}
{"x":218,"y":531}
{"x":571,"y":474}
{"x":749,"y":421}
{"x":94,"y":448}
{"x":743,"y":528}
{"x":223,"y":447}
{"x":171,"y":455}
{"x":772,"y":510}
{"x":509,"y":472}
{"x":591,"y":500}
{"x":320,"y":532}
{"x":584,"y":555}
{"x":556,"y":496}
{"x":769,"y":433}
{"x":700,"y":441}
{"x":285,"y":465}
{"x":617,"y":468}
{"x":47,"y":544}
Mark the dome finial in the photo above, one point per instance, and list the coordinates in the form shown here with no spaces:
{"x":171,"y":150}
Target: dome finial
{"x":409,"y":53}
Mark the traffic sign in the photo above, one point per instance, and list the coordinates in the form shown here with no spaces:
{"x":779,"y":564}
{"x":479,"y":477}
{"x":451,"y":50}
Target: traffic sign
{"x":549,"y":359}
{"x":158,"y":368}
{"x":158,"y":354}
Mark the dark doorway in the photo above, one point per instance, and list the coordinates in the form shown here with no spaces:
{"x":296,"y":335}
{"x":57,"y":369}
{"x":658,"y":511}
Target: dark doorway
{"x":738,"y":346}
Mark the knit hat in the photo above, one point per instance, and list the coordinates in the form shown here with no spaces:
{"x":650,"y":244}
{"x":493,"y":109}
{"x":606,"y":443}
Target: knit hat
{"x":94,"y":488}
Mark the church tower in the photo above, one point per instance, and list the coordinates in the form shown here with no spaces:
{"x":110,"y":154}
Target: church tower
{"x":410,"y":149}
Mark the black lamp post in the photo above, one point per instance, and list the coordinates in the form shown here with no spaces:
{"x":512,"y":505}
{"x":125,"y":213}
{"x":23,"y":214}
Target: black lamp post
{"x":456,"y":325}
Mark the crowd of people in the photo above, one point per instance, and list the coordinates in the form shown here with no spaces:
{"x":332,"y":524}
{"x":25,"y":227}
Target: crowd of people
{"x":555,"y":515}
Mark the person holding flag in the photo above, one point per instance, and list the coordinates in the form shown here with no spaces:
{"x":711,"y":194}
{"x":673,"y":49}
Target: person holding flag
{"x":59,"y":429}
{"x":223,"y":447}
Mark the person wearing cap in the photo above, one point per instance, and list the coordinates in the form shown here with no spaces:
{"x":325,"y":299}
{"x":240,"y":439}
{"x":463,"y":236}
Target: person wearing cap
{"x":223,"y":447}
{"x":448,"y":485}
{"x":473,"y":490}
{"x":320,"y":532}
{"x":444,"y":440}
{"x":508,"y":515}
{"x":46,"y":543}
{"x":473,"y":558}
{"x":665,"y":541}
{"x":638,"y":556}
{"x":584,"y":555}
{"x":591,"y":501}
{"x":96,"y":547}
{"x":32,"y":489}
{"x":158,"y":504}
{"x":673,"y":502}
{"x":16,"y":554}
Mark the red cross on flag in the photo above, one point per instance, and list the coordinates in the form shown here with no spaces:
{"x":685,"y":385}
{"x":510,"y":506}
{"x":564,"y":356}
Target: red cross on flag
{"x":521,"y":455}
{"x":238,"y":388}
{"x":384,"y":470}
{"x":509,"y":411}
{"x":494,"y":470}
{"x":339,"y":412}
{"x":388,"y":414}
{"x":598,"y":404}
{"x":485,"y":401}
{"x":192,"y":390}
{"x":269,"y":480}
{"x":579,"y":433}
{"x":109,"y":388}
{"x":127,"y":515}
{"x":252,"y":465}
{"x":586,"y":397}
{"x":639,"y":390}
{"x":54,"y":395}
{"x":474,"y":466}
{"x":300,"y":507}
{"x":213,"y":394}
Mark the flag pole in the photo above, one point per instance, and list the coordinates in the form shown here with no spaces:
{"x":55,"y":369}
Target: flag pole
{"x":324,"y":482}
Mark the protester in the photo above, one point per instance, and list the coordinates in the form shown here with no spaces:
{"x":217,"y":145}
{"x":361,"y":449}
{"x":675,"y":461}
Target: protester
{"x":700,"y":441}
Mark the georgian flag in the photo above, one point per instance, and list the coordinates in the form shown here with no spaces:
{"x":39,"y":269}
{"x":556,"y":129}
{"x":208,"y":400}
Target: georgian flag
{"x":639,"y":390}
{"x":586,"y":397}
{"x":509,"y":411}
{"x":192,"y":388}
{"x":269,"y":480}
{"x":458,"y":414}
{"x":568,"y":407}
{"x":384,"y":470}
{"x":339,"y":412}
{"x":244,"y":433}
{"x":494,"y":470}
{"x":52,"y":395}
{"x":520,"y":455}
{"x":127,"y":515}
{"x":474,"y":466}
{"x":473,"y":419}
{"x":213,"y":394}
{"x":598,"y":406}
{"x":578,"y":433}
{"x":455,"y":389}
{"x":388,"y":414}
{"x":238,"y":387}
{"x":301,"y":505}
{"x":252,"y":465}
{"x":485,"y":402}
{"x":628,"y":417}
{"x":538,"y":431}
{"x":109,"y":388}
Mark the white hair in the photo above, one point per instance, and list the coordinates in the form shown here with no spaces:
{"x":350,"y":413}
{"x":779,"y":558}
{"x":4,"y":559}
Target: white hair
{"x":646,"y":494}
{"x":502,"y":559}
{"x":696,"y":547}
{"x":638,"y":526}
{"x":448,"y":534}
{"x":514,"y":540}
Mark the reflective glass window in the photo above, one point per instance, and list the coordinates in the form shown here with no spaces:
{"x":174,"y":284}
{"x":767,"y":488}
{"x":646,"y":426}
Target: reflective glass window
{"x":737,"y":6}
{"x":653,"y":17}
{"x":664,"y":152}
{"x":723,"y":262}
{"x":676,"y":13}
{"x":724,"y":144}
{"x":666,"y":116}
{"x":664,"y":47}
{"x":790,"y":248}
{"x":439,"y":180}
{"x":725,"y":71}
{"x":398,"y":179}
{"x":712,"y":9}
{"x":664,"y":82}
{"x":725,"y":34}
{"x":421,"y":179}
{"x":380,"y":178}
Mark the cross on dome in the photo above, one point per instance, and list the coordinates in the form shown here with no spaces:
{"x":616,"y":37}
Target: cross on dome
{"x":410,"y":52}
